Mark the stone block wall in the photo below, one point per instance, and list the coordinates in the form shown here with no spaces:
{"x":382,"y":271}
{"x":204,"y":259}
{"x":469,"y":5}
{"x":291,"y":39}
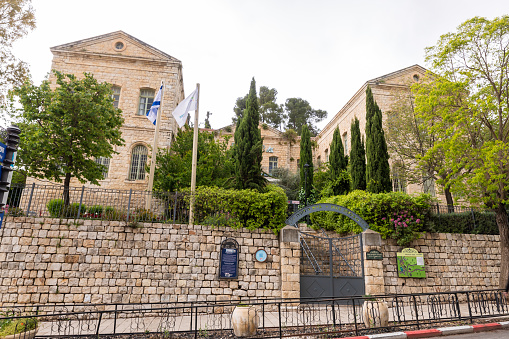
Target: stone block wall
{"x":453,"y":262}
{"x":52,"y":261}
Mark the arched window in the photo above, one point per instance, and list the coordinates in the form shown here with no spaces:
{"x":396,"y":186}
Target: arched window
{"x":272,"y":164}
{"x":115,"y":95}
{"x":146,"y":99}
{"x":345,"y":142}
{"x":138,"y":161}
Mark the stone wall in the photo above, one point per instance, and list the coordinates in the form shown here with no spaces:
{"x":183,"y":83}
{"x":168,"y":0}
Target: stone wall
{"x":52,"y":260}
{"x":453,"y":262}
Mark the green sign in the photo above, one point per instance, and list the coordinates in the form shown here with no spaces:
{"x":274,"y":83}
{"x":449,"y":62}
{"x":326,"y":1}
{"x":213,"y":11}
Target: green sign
{"x":410,"y":264}
{"x":374,"y":255}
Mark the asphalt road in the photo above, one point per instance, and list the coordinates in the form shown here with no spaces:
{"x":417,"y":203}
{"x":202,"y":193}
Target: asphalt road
{"x":498,"y":334}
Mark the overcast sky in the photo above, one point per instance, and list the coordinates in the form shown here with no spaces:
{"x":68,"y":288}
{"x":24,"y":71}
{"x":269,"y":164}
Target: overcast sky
{"x":321,"y":51}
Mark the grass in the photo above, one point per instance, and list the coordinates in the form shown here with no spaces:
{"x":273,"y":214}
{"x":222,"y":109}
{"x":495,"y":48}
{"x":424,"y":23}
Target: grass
{"x":13,"y":326}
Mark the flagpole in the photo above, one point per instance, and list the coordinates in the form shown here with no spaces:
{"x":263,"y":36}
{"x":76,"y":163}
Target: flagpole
{"x":154,"y":150}
{"x":195,"y":157}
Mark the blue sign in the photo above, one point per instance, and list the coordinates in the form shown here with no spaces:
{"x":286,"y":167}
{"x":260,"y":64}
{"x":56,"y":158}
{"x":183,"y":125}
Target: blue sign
{"x":3,"y":150}
{"x":1,"y":218}
{"x":229,"y":261}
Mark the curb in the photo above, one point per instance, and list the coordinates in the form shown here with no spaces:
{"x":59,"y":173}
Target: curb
{"x":436,"y":332}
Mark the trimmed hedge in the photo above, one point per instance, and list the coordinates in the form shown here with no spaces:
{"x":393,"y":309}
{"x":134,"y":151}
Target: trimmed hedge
{"x":57,"y":209}
{"x":241,"y":208}
{"x":464,"y":222}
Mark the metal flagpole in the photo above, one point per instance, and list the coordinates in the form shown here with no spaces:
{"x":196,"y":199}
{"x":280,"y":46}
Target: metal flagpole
{"x":195,"y":157}
{"x":154,"y":150}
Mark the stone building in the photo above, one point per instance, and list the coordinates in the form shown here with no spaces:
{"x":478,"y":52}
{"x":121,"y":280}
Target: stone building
{"x":136,"y":70}
{"x":385,"y":91}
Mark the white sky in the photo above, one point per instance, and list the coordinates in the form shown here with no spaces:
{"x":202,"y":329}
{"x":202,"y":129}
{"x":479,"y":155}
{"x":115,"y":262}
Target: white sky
{"x":322,"y":51}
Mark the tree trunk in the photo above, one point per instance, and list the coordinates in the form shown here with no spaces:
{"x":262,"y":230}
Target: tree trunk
{"x":67,"y":182}
{"x":448,"y":199}
{"x":503,"y":227}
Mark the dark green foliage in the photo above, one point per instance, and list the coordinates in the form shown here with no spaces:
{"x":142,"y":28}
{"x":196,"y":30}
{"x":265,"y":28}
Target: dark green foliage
{"x":338,"y":162}
{"x":377,"y":210}
{"x":241,"y":208}
{"x":465,"y":223}
{"x":173,"y":166}
{"x":306,"y":157}
{"x":288,"y":181}
{"x":270,"y":112}
{"x":248,"y":146}
{"x":378,"y":173}
{"x":207,"y":121}
{"x":240,"y":106}
{"x":357,"y":158}
{"x":300,"y":114}
{"x":95,"y":210}
{"x":57,"y":209}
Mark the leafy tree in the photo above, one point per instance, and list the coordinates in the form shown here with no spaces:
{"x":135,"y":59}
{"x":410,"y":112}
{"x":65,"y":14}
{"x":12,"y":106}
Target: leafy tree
{"x":64,"y":129}
{"x":469,"y":96}
{"x":173,"y":166}
{"x":207,"y":122}
{"x":408,"y":140}
{"x":240,"y":106}
{"x":378,"y":173}
{"x":338,"y":163}
{"x":16,"y":20}
{"x":300,"y":113}
{"x":248,"y":146}
{"x":270,"y":112}
{"x":306,"y":157}
{"x":357,"y":158}
{"x":288,"y":181}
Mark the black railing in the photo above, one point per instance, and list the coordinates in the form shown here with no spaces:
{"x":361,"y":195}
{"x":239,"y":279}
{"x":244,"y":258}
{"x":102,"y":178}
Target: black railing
{"x":277,"y":318}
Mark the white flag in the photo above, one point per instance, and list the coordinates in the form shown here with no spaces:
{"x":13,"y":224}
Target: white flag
{"x":152,"y":113}
{"x":186,"y":105}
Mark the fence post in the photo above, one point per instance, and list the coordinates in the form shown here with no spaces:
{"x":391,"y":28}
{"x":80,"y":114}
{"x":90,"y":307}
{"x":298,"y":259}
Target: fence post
{"x":81,"y":201}
{"x":458,"y":305}
{"x":30,"y":199}
{"x":129,"y":206}
{"x":196,"y":323}
{"x":416,"y":314}
{"x":280,"y":327}
{"x":99,"y":324}
{"x":115,"y":320}
{"x":355,"y":317}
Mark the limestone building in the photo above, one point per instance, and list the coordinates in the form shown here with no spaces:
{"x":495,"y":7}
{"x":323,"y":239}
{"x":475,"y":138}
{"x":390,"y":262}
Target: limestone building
{"x":135,"y":69}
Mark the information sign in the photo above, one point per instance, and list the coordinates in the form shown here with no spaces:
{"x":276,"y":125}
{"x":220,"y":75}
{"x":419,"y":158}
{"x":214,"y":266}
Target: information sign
{"x":229,"y":261}
{"x":410,"y":264}
{"x":3,"y":150}
{"x":1,"y":218}
{"x":374,"y":255}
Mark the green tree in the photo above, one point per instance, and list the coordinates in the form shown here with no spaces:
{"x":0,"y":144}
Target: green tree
{"x":357,"y":158}
{"x":248,"y":146}
{"x":378,"y":173}
{"x":238,"y":109}
{"x":270,"y":112}
{"x":299,"y":113}
{"x":306,"y":158}
{"x":469,"y":97}
{"x":408,"y":140}
{"x":338,"y":163}
{"x":64,"y":129}
{"x":173,"y":166}
{"x":16,"y":20}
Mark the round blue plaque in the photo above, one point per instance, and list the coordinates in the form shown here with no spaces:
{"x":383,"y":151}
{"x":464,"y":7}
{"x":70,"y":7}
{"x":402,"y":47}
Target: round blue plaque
{"x":261,"y":256}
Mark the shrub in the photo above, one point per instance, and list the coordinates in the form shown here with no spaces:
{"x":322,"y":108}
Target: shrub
{"x":144,"y":215}
{"x":377,"y":210}
{"x":244,"y":208}
{"x":465,"y":222}
{"x":13,"y":211}
{"x":57,"y":209}
{"x":95,"y":210}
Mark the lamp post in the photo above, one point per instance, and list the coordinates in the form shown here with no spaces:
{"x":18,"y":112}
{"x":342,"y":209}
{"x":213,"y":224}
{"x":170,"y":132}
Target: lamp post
{"x":306,"y":166}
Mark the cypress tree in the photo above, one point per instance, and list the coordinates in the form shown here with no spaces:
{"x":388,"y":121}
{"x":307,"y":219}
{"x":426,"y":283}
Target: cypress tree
{"x":248,"y":146}
{"x":306,"y":157}
{"x":338,"y":163}
{"x":357,"y":158}
{"x":378,"y":174}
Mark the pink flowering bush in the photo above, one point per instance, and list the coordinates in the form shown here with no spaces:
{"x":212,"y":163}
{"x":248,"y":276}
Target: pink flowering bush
{"x":406,"y":227}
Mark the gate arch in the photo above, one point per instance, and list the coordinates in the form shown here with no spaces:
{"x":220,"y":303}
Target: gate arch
{"x":330,"y":267}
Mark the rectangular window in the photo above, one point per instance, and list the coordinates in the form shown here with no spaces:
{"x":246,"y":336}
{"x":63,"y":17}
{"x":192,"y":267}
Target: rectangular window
{"x":345,"y":143}
{"x":146,"y":99}
{"x":105,"y":162}
{"x":327,"y":155}
{"x":115,"y":95}
{"x":398,"y":181}
{"x":272,"y":164}
{"x":428,"y":186}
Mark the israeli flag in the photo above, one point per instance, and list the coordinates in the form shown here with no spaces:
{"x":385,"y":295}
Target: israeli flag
{"x":152,"y":113}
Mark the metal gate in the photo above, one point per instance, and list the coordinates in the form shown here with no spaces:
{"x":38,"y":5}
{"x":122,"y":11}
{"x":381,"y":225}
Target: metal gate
{"x":331,"y":267}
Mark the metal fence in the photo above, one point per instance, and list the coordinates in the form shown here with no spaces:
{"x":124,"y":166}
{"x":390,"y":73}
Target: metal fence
{"x":276,"y":318}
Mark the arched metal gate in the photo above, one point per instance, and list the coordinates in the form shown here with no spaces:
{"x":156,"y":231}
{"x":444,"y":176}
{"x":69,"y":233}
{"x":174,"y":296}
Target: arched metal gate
{"x":330,"y":267}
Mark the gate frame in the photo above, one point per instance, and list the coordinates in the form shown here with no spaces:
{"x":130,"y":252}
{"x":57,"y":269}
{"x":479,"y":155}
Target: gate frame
{"x":294,"y":218}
